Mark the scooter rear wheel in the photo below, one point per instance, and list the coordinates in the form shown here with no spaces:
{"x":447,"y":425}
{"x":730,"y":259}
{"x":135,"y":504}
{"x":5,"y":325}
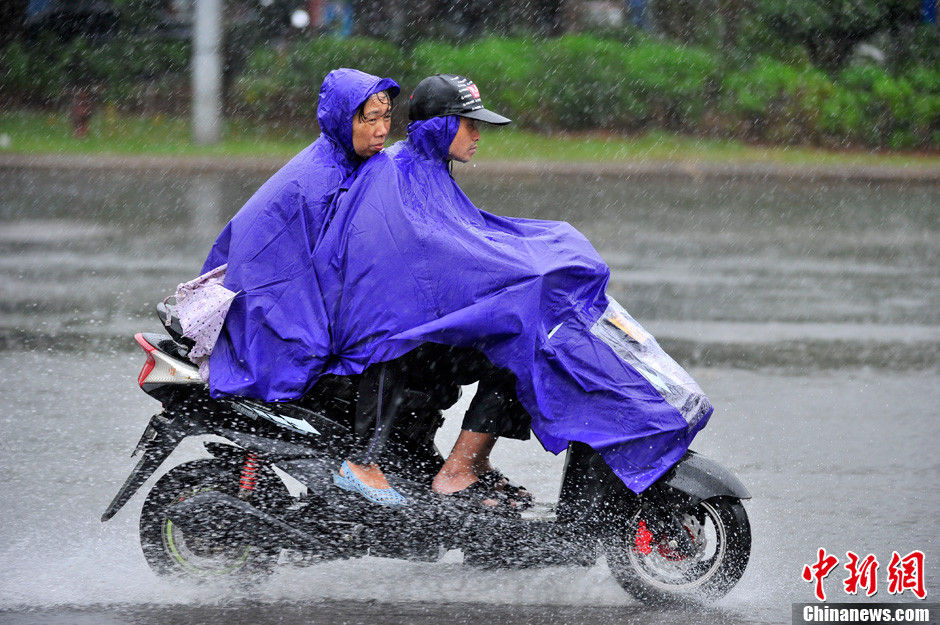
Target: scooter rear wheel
{"x":706,"y":564}
{"x":172,"y":552}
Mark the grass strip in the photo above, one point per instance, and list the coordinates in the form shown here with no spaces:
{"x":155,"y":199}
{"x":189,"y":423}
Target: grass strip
{"x":24,"y":132}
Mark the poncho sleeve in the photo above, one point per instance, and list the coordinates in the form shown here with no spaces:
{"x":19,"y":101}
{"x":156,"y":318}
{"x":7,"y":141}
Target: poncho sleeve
{"x":276,"y":334}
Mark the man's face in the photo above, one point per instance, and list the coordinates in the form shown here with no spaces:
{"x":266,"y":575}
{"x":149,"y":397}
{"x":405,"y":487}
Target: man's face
{"x":464,"y":145}
{"x":371,"y":127}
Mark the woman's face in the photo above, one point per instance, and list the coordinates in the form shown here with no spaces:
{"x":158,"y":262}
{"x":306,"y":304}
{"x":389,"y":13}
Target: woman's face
{"x":370,"y":127}
{"x":464,"y":145}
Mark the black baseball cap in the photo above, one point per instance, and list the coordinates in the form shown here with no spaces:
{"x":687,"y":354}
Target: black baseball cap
{"x":449,"y":94}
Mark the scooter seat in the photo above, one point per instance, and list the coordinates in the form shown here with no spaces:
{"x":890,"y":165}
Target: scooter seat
{"x":169,"y":346}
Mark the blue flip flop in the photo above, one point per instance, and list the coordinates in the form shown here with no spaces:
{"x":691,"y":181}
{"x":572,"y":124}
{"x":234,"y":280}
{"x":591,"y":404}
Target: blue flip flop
{"x":347,"y":480}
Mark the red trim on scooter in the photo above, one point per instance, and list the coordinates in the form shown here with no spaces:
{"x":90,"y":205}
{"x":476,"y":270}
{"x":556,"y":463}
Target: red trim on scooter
{"x":151,"y":362}
{"x":249,"y":477}
{"x":643,"y":539}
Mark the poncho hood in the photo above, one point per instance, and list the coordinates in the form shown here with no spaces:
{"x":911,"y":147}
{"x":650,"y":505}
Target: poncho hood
{"x":431,"y":138}
{"x":343,"y":91}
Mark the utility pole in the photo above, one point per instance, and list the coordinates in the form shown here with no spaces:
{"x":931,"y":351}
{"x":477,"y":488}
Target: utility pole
{"x":207,"y":71}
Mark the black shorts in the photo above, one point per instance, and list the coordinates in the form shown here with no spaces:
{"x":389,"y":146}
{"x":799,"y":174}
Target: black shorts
{"x":495,"y":408}
{"x":436,"y":372}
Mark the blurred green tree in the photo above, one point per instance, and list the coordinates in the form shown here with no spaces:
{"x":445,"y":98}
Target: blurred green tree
{"x":831,"y":30}
{"x":408,"y":22}
{"x":139,"y":15}
{"x":702,"y":22}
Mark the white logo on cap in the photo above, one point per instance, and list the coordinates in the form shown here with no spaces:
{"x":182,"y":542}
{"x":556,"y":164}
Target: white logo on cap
{"x":469,"y":94}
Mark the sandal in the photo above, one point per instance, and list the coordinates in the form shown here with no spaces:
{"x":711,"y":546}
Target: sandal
{"x":475,"y":496}
{"x":502,"y":484}
{"x":347,"y":480}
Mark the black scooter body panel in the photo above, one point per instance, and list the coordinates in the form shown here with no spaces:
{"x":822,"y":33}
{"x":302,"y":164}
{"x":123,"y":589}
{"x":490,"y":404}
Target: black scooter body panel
{"x":218,"y":513}
{"x":191,"y":412}
{"x":160,"y":438}
{"x":590,"y":489}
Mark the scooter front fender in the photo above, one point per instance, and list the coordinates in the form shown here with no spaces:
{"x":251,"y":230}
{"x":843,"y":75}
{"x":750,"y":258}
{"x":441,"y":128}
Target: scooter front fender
{"x":700,"y":478}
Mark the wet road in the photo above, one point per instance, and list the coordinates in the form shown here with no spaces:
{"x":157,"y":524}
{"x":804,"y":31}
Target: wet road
{"x":810,"y":314}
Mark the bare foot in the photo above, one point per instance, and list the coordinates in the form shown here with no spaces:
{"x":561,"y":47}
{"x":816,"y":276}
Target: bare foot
{"x":450,"y":483}
{"x":482,"y":465}
{"x":447,"y":482}
{"x":369,"y":474}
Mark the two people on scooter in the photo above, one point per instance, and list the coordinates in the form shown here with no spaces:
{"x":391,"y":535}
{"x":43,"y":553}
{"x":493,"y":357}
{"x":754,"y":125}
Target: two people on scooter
{"x":401,"y":259}
{"x":408,"y":260}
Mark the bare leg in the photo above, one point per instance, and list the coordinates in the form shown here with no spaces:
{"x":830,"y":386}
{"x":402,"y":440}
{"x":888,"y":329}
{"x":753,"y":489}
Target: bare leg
{"x":481,"y":463}
{"x":369,"y":474}
{"x":471,"y":451}
{"x":469,"y":459}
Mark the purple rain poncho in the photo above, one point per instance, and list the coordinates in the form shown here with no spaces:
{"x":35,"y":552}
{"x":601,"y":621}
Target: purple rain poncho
{"x":406,"y":259}
{"x":275,"y":336}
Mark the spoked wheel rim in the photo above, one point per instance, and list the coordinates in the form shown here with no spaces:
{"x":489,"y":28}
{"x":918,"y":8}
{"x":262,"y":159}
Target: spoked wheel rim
{"x":659,"y":563}
{"x":201,"y":556}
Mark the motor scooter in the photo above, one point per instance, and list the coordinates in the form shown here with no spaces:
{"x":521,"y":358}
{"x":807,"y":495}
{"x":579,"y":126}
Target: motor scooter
{"x":265,"y":496}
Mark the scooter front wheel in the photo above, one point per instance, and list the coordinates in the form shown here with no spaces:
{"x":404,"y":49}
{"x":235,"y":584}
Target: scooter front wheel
{"x":657,"y":567}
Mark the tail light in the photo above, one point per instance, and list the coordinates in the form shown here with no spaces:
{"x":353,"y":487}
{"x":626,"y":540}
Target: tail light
{"x":151,"y":362}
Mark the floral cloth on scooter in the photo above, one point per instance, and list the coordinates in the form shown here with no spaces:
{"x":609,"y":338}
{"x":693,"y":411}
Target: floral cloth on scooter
{"x":406,"y":259}
{"x":201,"y":306}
